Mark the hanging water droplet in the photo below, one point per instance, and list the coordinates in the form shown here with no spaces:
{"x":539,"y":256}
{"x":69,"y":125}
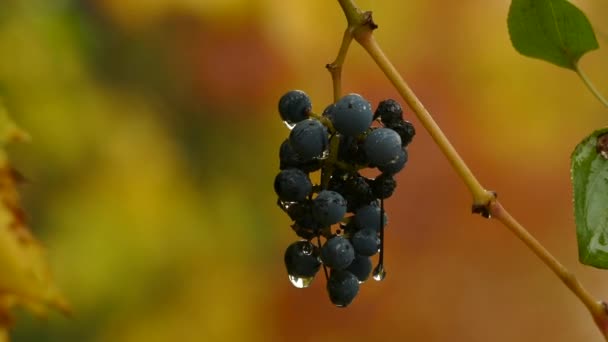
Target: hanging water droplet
{"x":289,"y":125}
{"x":301,"y":282}
{"x":379,"y":273}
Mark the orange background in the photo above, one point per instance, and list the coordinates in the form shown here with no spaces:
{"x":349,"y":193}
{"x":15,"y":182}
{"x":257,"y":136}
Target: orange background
{"x":155,"y":145}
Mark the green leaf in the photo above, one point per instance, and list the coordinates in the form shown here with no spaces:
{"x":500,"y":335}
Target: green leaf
{"x":590,"y":180}
{"x":552,"y":30}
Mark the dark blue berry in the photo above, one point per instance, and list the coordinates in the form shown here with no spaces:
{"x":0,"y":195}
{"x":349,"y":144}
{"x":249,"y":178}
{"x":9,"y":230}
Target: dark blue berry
{"x":337,"y":253}
{"x":365,"y":241}
{"x":384,"y":186}
{"x":328,"y":208}
{"x":382,"y":146}
{"x":352,"y":115}
{"x":342,"y":287}
{"x":292,"y":185}
{"x":361,"y":267}
{"x":309,"y":139}
{"x":294,"y":106}
{"x":406,"y":131}
{"x":396,"y":165}
{"x":368,"y":217}
{"x":301,"y":259}
{"x":389,"y":111}
{"x":291,"y":159}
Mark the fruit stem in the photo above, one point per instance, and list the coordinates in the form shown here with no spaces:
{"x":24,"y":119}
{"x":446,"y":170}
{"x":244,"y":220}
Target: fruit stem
{"x":381,"y":257}
{"x":596,"y":308}
{"x":324,"y":267}
{"x":330,"y":161}
{"x":590,"y":85}
{"x":335,"y":67}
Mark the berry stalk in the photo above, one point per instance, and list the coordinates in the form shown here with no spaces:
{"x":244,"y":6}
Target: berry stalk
{"x":590,"y":85}
{"x":335,"y":67}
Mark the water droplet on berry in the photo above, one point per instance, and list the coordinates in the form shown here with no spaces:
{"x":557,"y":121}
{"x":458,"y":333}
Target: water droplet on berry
{"x":289,"y":125}
{"x":301,"y":282}
{"x":307,"y":248}
{"x":324,"y":155}
{"x":379,"y":273}
{"x":285,"y":205}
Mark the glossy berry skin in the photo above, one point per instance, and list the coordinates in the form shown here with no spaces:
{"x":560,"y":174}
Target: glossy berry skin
{"x":368,"y":217}
{"x":389,"y":111}
{"x":382,"y":146}
{"x":365,"y":242}
{"x":301,"y":259}
{"x":342,"y":287}
{"x":292,"y":185}
{"x":396,"y":165}
{"x":309,"y":139}
{"x":337,"y":253}
{"x":328,"y":208}
{"x":291,"y":159}
{"x":361,"y":267}
{"x":294,"y":106}
{"x":328,"y":112}
{"x":351,"y":115}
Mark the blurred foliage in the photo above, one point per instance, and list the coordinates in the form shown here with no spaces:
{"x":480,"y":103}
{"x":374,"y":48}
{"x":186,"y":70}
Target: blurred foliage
{"x":154,"y":145}
{"x":25,"y":279}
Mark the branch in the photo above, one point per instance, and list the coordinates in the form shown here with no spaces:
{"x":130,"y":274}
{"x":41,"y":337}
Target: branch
{"x":361,"y":26}
{"x":335,"y":67}
{"x":597,"y":308}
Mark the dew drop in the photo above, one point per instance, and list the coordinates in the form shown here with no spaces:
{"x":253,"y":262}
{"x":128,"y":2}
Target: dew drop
{"x":301,"y":282}
{"x":307,"y":247}
{"x":289,"y":124}
{"x":285,"y":205}
{"x":379,"y":273}
{"x":324,"y":155}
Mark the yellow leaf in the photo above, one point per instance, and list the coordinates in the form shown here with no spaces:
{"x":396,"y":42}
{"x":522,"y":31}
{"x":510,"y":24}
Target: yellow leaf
{"x":25,"y":277}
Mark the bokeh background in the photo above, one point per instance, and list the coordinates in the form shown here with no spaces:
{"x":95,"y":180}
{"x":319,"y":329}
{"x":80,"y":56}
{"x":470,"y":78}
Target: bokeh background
{"x":155,"y":145}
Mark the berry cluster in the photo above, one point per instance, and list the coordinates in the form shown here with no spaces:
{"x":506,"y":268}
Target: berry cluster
{"x":346,"y":209}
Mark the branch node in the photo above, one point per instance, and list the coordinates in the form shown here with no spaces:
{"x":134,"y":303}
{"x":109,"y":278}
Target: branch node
{"x":368,"y":20}
{"x":483,"y":209}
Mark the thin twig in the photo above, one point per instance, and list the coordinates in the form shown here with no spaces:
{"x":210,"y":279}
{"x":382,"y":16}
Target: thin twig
{"x":590,"y":85}
{"x":335,"y":67}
